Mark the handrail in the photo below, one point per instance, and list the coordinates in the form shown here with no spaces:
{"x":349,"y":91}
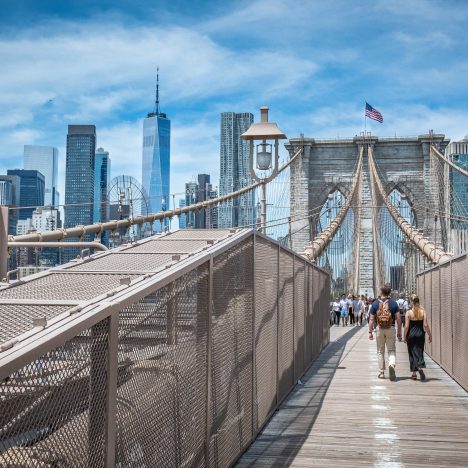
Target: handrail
{"x":96,"y":228}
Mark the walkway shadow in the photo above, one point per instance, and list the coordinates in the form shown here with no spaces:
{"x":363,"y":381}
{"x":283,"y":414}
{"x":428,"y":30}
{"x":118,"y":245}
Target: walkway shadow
{"x":286,"y":432}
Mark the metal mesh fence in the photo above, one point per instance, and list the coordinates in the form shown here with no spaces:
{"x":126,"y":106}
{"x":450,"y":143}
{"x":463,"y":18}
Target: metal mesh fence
{"x":232,"y":350}
{"x":180,"y":370}
{"x":286,"y":324}
{"x":265,"y":329}
{"x":53,"y":409}
{"x":444,"y":295}
{"x":299,"y":316}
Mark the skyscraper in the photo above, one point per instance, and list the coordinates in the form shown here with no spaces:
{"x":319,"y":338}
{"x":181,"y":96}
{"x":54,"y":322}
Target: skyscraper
{"x":203,"y":190}
{"x":31,"y":191}
{"x":457,"y":152}
{"x":45,"y":160}
{"x":79,"y":178}
{"x":47,"y":219}
{"x":156,"y":158}
{"x":101,"y":185}
{"x":10,"y":196}
{"x":191,"y":192}
{"x":234,"y":170}
{"x":182,"y":221}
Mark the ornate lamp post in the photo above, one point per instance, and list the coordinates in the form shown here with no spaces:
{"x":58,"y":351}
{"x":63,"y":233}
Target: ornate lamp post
{"x":262,"y":132}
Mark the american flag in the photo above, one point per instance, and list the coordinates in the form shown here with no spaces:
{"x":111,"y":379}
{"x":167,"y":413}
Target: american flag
{"x":373,"y":113}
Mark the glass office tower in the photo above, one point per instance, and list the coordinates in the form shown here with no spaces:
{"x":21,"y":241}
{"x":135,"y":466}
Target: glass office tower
{"x":101,"y":185}
{"x":31,"y":191}
{"x":45,"y":160}
{"x":79,"y":179}
{"x":234,"y":171}
{"x":156,"y":164}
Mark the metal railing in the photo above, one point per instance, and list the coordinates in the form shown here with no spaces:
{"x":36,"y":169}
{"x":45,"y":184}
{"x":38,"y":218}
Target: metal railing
{"x":443,"y":294}
{"x":182,"y":367}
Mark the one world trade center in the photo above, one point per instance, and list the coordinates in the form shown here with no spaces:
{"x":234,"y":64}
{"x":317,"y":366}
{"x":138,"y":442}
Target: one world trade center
{"x":157,"y":159}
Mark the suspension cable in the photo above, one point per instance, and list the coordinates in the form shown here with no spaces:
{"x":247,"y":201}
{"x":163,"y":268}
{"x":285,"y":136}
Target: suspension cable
{"x":97,"y":228}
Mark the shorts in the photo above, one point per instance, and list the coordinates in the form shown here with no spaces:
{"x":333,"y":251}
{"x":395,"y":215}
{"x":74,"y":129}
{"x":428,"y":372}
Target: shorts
{"x":344,"y":313}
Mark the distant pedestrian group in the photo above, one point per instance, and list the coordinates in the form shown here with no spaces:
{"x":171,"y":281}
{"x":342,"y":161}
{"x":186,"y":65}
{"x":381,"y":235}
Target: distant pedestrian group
{"x":388,"y":319}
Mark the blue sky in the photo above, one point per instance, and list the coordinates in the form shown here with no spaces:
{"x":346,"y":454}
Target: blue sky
{"x":314,"y":63}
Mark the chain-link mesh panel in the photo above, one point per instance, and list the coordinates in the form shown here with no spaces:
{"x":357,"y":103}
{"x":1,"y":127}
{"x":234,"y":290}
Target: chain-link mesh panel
{"x":317,"y":323}
{"x":232,"y":353}
{"x":460,"y":319}
{"x":285,"y":324}
{"x":198,"y":234}
{"x":309,"y":326}
{"x":162,"y":378}
{"x":266,"y":287}
{"x":446,"y":315}
{"x":166,"y":245}
{"x":53,"y":410}
{"x":427,"y":305}
{"x":328,"y":296}
{"x":16,"y":319}
{"x":299,"y":317}
{"x":435,"y":309}
{"x":71,"y":286}
{"x":126,"y":262}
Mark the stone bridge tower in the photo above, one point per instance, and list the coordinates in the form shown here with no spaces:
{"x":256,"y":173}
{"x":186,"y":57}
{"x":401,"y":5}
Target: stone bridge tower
{"x":328,"y":165}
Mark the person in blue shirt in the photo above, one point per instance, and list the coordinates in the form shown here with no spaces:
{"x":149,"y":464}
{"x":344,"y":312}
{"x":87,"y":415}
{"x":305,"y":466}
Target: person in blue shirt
{"x":386,"y":333}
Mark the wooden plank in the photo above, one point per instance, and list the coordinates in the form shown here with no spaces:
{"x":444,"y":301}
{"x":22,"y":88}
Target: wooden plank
{"x":345,"y":416}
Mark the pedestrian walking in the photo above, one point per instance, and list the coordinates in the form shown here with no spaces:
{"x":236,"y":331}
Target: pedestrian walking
{"x":336,"y":311}
{"x":344,"y":311}
{"x":403,"y":306}
{"x":416,"y":327}
{"x":362,"y":309}
{"x":386,"y":312}
{"x":350,"y":309}
{"x":356,"y":310}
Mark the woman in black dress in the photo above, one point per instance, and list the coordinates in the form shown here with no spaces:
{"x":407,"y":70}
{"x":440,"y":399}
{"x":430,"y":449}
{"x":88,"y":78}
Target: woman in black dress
{"x":416,"y":327}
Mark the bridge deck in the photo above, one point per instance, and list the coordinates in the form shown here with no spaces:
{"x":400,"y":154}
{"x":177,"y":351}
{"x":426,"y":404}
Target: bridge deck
{"x":345,"y":416}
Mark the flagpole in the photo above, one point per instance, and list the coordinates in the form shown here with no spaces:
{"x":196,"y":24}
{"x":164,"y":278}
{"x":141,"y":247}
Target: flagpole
{"x":365,"y":119}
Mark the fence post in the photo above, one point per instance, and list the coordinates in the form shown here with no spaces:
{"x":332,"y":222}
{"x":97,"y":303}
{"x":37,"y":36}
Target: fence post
{"x":208,"y":364}
{"x":254,"y":360}
{"x":294,"y":320}
{"x":306,"y":311}
{"x":452,"y":308}
{"x":99,"y":341}
{"x":277,"y":321}
{"x":112,"y":370}
{"x":3,"y":242}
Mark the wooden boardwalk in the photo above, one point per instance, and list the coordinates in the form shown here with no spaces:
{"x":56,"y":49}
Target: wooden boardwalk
{"x":344,"y":416}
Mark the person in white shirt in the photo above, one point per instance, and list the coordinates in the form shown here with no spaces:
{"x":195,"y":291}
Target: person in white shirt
{"x":361,"y":309}
{"x":344,"y":311}
{"x":403,"y":306}
{"x":336,"y":311}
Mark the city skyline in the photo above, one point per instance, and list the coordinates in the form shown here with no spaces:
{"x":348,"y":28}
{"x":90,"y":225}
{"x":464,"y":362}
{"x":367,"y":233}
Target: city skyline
{"x":315,"y":77}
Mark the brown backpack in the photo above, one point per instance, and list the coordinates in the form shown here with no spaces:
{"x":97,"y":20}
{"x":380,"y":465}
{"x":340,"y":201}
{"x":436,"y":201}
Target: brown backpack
{"x":384,"y":316}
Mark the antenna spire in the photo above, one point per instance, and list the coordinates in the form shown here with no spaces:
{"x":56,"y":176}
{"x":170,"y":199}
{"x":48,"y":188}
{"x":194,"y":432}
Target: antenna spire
{"x":157,"y":92}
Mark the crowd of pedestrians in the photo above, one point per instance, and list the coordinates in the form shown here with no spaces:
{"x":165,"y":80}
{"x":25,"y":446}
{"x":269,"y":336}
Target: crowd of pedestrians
{"x":387,"y":320}
{"x":352,"y":310}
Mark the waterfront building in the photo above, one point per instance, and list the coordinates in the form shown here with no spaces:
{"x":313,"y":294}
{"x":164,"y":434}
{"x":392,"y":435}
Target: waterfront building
{"x":45,"y":160}
{"x":31,"y":191}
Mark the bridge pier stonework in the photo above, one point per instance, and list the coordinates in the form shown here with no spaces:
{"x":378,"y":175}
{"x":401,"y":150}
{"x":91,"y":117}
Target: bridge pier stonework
{"x":328,"y":165}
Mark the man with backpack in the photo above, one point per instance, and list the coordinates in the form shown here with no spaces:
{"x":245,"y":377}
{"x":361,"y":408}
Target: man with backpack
{"x":386,"y":312}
